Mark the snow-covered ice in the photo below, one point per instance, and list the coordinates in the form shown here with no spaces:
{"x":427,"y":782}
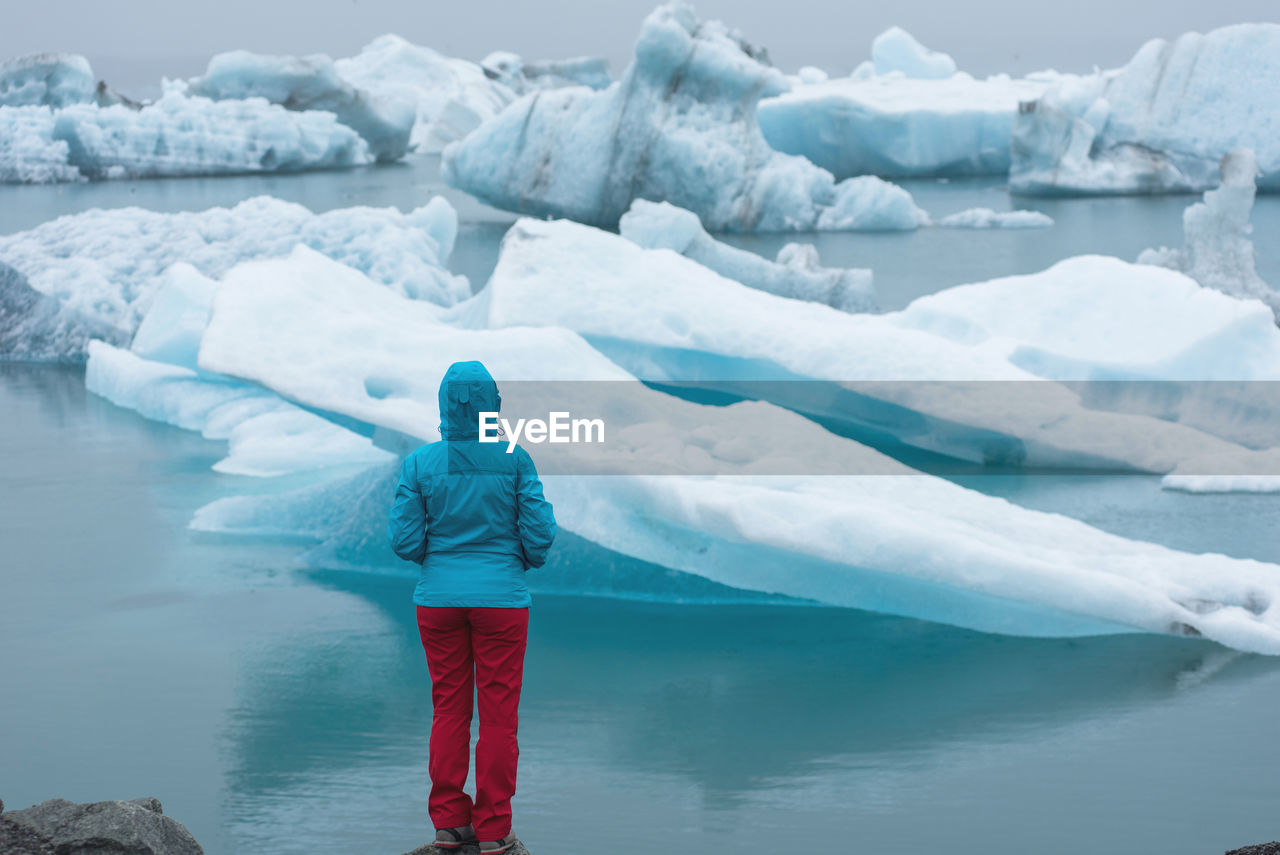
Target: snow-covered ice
{"x":985,"y":218}
{"x":664,"y":317}
{"x":47,"y":80}
{"x":104,"y":266}
{"x":175,"y":136}
{"x":797,"y":272}
{"x":385,"y":121}
{"x":903,"y":543}
{"x":1218,"y":252}
{"x":680,"y":126}
{"x":1161,"y":123}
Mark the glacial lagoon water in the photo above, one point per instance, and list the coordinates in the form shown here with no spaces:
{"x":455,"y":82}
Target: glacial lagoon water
{"x":280,"y":708}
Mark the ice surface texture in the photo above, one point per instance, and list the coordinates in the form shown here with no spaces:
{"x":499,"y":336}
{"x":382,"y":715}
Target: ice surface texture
{"x":175,"y":136}
{"x":385,"y":120}
{"x":1218,"y":252}
{"x":905,"y":544}
{"x":896,"y":50}
{"x":985,"y":218}
{"x":1160,"y":123}
{"x":46,"y":79}
{"x":680,"y":126}
{"x":104,"y":267}
{"x":796,"y":273}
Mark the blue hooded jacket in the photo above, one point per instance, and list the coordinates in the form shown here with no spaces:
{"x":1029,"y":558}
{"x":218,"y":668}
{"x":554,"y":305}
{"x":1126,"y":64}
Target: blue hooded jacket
{"x":470,"y":513}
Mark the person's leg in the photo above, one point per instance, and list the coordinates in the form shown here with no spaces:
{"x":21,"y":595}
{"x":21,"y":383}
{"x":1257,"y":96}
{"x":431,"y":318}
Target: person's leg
{"x":446,"y":638}
{"x":498,"y":638}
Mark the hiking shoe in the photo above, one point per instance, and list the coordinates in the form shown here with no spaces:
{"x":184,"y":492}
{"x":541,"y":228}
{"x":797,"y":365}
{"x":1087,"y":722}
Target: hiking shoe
{"x":455,"y":838}
{"x":497,"y":847}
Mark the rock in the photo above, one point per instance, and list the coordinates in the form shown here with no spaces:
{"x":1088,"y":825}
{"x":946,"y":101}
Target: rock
{"x":1272,"y":848}
{"x":136,"y":827}
{"x":517,"y":848}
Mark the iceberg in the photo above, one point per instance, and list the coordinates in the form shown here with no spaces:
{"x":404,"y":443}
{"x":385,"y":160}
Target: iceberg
{"x":922,"y":375}
{"x":902,"y":543}
{"x":452,"y":97}
{"x":1221,"y":483}
{"x":897,"y":51}
{"x":797,"y":272}
{"x":523,"y":77}
{"x":104,"y":267}
{"x":680,"y":126}
{"x":175,"y":136}
{"x":907,"y":112}
{"x":1161,"y":123}
{"x":985,"y":218}
{"x":384,"y":121}
{"x":36,"y":327}
{"x":46,"y":80}
{"x":1218,"y":252}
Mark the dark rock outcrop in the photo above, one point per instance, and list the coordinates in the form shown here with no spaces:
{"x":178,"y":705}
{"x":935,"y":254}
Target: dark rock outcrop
{"x":1272,"y":848}
{"x":60,"y":827}
{"x":517,"y":849}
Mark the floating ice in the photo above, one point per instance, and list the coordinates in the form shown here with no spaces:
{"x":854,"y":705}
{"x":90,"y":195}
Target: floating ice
{"x":1221,"y":483}
{"x":385,"y":121}
{"x":985,"y":218}
{"x":796,"y":273}
{"x":906,"y":544}
{"x":35,"y":327}
{"x":896,"y":50}
{"x":523,"y":77}
{"x":665,"y":317}
{"x":47,"y":80}
{"x":1218,"y":252}
{"x":680,"y":127}
{"x":1161,"y":123}
{"x":104,"y":266}
{"x":175,"y":136}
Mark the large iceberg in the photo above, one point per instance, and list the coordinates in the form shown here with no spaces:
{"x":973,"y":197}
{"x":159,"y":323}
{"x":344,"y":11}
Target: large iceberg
{"x":384,"y":121}
{"x":175,"y":136}
{"x":680,"y":126}
{"x":1218,"y":252}
{"x":522,"y":76}
{"x":103,"y":267}
{"x":906,"y":112}
{"x":1161,"y":123}
{"x":797,"y":272}
{"x":325,"y":337}
{"x":921,"y":375}
{"x":46,"y":80}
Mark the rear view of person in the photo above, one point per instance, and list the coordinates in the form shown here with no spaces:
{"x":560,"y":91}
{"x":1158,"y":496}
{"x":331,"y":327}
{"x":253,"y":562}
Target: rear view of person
{"x":474,"y":517}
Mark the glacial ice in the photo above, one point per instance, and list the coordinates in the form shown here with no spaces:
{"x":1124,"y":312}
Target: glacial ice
{"x":796,"y":273}
{"x":905,"y":543}
{"x":680,"y":126}
{"x":905,"y":113}
{"x":36,"y":327}
{"x":1218,"y":252}
{"x":522,"y":77}
{"x":1161,"y":123}
{"x":385,"y":121}
{"x":664,"y":317}
{"x":174,"y":136}
{"x":985,"y":218}
{"x":897,"y":51}
{"x":46,"y":80}
{"x":103,"y":267}
{"x":1221,"y":483}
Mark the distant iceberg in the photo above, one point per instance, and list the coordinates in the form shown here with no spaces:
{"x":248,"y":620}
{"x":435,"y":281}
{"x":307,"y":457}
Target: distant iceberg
{"x":906,"y":112}
{"x":1218,"y":252}
{"x":385,"y":122}
{"x":911,"y":374}
{"x":522,"y":76}
{"x":902,"y":543}
{"x":797,"y":272}
{"x":1161,"y":123}
{"x":104,"y":267}
{"x":985,"y":218}
{"x":680,"y":126}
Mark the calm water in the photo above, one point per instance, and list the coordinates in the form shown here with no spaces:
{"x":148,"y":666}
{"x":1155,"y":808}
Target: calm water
{"x":277,"y":708}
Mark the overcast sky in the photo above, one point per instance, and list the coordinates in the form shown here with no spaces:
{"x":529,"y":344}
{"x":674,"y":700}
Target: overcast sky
{"x":132,"y":43}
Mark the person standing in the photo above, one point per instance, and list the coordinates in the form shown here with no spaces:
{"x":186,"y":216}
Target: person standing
{"x":474,"y":517}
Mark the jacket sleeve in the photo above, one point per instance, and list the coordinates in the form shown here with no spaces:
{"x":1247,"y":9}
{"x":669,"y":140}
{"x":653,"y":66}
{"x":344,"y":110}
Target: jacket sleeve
{"x":407,"y":528}
{"x":537,"y":520}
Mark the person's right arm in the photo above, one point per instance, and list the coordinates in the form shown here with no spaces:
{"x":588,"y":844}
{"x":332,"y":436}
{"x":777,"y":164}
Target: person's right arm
{"x":537,"y":520}
{"x":407,"y":528}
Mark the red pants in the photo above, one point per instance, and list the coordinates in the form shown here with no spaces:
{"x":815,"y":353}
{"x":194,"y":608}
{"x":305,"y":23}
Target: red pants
{"x":470,"y":649}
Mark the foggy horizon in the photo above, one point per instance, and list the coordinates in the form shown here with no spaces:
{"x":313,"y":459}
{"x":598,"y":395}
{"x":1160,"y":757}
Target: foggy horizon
{"x":133,"y":48}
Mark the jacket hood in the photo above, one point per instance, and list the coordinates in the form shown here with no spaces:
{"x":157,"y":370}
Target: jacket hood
{"x":467,"y":390}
